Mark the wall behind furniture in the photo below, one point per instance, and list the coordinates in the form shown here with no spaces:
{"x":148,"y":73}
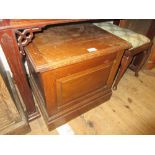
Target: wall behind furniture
{"x":138,"y":25}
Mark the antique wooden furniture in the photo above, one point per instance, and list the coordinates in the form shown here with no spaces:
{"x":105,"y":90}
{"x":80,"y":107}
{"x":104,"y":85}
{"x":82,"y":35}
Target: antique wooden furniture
{"x":12,"y":117}
{"x":14,"y":36}
{"x":139,"y":44}
{"x":72,"y":69}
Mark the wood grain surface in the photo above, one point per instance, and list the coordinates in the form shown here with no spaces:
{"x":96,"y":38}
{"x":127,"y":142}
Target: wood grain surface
{"x":63,"y":45}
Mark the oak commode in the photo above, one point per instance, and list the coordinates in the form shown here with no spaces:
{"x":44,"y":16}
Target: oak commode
{"x":72,"y":69}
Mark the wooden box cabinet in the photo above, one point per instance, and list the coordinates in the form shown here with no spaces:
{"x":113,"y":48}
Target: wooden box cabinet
{"x":72,"y":69}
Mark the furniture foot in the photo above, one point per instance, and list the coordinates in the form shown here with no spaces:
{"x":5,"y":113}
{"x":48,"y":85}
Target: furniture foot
{"x":136,"y":74}
{"x":124,"y":64}
{"x":114,"y":87}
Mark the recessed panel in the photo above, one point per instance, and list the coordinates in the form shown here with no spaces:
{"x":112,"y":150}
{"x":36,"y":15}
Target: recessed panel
{"x":74,"y":86}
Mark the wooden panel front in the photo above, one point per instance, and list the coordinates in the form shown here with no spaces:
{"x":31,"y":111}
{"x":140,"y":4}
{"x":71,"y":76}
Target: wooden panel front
{"x":64,"y":85}
{"x":79,"y":84}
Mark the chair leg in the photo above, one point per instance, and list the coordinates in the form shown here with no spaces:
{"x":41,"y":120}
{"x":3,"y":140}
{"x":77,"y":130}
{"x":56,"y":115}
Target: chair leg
{"x":124,"y":64}
{"x":146,"y":55}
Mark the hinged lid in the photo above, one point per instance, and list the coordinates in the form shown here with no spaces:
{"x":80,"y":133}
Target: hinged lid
{"x":58,"y":46}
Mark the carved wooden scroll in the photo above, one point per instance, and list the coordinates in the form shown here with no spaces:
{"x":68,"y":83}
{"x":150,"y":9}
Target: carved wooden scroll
{"x":24,"y":37}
